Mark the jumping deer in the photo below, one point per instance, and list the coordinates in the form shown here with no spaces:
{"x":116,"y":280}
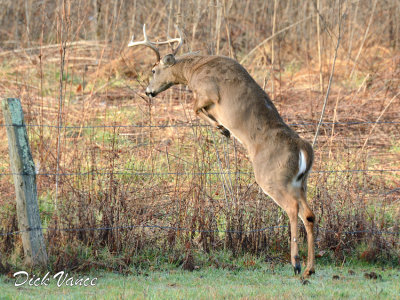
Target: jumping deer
{"x":229,"y":99}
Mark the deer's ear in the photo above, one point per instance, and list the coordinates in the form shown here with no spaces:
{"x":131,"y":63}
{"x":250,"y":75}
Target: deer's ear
{"x":168,"y":60}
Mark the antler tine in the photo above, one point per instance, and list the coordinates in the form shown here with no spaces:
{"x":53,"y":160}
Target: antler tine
{"x":174,"y":40}
{"x":180,"y":40}
{"x":146,"y":43}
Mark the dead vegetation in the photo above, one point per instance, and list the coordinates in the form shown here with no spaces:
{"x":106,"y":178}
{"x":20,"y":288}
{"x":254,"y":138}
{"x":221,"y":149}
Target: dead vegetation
{"x":164,"y":179}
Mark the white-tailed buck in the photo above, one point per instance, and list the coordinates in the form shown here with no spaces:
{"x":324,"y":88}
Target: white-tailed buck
{"x":229,"y":99}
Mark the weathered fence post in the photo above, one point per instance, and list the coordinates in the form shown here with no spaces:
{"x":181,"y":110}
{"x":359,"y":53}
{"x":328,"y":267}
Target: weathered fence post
{"x":23,"y":170}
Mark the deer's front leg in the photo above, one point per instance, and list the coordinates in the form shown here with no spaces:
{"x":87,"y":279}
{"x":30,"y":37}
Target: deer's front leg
{"x":211,"y":120}
{"x":203,"y":113}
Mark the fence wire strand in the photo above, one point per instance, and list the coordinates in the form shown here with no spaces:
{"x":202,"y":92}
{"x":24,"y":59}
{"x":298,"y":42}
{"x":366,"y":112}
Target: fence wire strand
{"x":138,"y":173}
{"x":179,"y":125}
{"x":193,"y":230}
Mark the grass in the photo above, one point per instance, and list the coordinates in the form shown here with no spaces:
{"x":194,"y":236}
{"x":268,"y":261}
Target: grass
{"x":132,"y":161}
{"x":266,"y":282}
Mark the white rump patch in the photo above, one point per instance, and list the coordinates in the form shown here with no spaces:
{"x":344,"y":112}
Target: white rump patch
{"x":302,"y":163}
{"x":302,"y":169}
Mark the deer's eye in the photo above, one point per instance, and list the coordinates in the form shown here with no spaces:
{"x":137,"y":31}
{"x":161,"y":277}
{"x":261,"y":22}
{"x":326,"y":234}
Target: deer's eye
{"x":153,"y":71}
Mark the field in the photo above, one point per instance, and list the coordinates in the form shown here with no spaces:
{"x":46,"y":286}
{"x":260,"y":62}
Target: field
{"x":261,"y":283}
{"x":120,"y":174}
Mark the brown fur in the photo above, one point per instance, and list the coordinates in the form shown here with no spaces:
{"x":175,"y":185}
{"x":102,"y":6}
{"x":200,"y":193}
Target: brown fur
{"x":227,"y":97}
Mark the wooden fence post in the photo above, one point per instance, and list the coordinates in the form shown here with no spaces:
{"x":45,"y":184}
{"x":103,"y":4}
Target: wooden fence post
{"x":23,"y":169}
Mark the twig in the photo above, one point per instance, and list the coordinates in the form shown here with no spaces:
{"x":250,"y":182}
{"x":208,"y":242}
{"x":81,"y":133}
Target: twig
{"x":352,"y":34}
{"x":273,"y":50}
{"x":333,"y":124}
{"x":63,"y":48}
{"x":223,"y":179}
{"x":321,"y":81}
{"x":330,"y":82}
{"x":365,"y":37}
{"x":272,"y":36}
{"x":54,"y":46}
{"x":377,"y":120}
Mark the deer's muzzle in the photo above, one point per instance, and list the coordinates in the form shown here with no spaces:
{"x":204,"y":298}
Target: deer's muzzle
{"x":150,"y":92}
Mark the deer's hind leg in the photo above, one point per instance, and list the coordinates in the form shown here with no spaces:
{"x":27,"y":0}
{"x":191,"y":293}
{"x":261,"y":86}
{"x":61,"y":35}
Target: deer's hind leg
{"x":293,"y":202}
{"x":290,"y":205}
{"x":284,"y":179}
{"x":308,"y":218}
{"x":283,"y":195}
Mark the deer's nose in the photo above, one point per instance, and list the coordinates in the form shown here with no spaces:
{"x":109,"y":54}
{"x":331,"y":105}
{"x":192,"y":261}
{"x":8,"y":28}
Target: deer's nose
{"x":149,"y":92}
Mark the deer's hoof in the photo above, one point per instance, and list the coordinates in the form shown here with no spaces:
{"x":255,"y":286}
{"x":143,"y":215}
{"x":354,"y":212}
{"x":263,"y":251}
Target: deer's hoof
{"x":308,"y":273}
{"x":297,"y":266}
{"x":224,"y":132}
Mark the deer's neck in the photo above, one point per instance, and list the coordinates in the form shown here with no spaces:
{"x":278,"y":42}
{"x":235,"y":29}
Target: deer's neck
{"x":185,"y":67}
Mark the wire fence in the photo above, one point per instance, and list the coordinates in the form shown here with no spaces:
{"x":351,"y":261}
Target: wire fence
{"x":380,"y":232}
{"x":195,"y":173}
{"x":141,"y":173}
{"x":152,"y":173}
{"x":187,"y":125}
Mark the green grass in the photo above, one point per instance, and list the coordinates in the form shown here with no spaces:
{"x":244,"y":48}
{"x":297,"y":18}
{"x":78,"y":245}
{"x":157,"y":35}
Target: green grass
{"x":265,"y":283}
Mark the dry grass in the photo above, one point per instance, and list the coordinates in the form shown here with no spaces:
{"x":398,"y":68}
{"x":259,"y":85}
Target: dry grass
{"x":129,"y":161}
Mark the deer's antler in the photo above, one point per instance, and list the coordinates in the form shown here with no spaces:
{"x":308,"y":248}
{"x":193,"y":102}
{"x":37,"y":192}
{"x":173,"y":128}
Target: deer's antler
{"x":145,"y":42}
{"x":152,"y":45}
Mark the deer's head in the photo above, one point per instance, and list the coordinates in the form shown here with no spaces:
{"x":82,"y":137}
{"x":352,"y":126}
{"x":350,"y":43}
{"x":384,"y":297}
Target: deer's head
{"x":163,"y":76}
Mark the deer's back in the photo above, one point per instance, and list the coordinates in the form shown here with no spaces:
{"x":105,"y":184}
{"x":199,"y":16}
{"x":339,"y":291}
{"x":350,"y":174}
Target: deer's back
{"x":244,"y":108}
